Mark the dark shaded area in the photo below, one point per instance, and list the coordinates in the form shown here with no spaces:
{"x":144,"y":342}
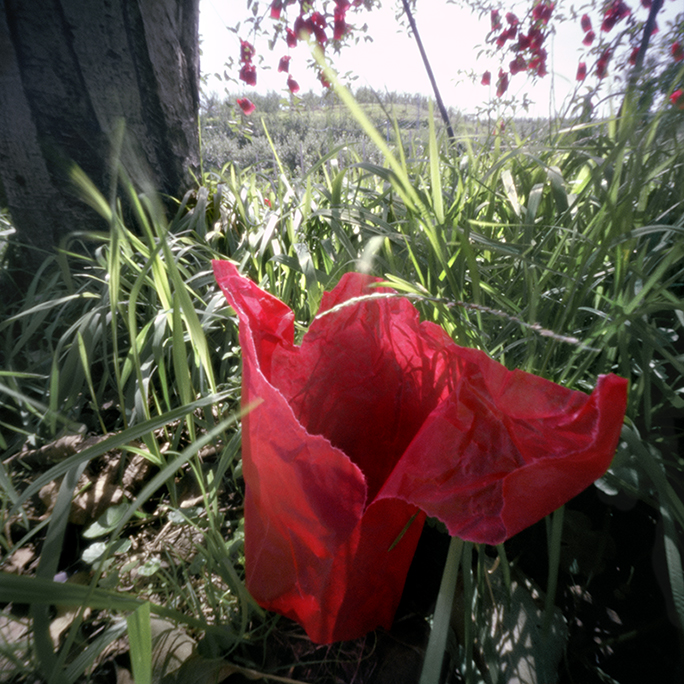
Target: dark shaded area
{"x":91,"y":84}
{"x":614,"y":583}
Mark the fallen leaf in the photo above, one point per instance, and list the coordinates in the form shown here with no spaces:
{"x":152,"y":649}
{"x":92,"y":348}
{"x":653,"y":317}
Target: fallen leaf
{"x":136,"y":474}
{"x":65,"y":615}
{"x":94,"y":500}
{"x":123,"y":676}
{"x":56,"y":451}
{"x":14,"y":635}
{"x":171,"y":647}
{"x":94,"y":497}
{"x":16,"y":563}
{"x":199,"y":670}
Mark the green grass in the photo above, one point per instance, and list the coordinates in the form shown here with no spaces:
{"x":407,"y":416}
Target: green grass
{"x":302,"y":130}
{"x":561,"y":255}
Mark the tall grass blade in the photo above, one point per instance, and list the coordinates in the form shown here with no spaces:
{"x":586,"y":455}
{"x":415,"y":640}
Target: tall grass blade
{"x":554,"y":543}
{"x":434,"y":655}
{"x":673,"y":557}
{"x":83,"y":353}
{"x":47,"y":568}
{"x":435,"y":171}
{"x":85,"y":660}
{"x":404,"y":186}
{"x":180,"y":365}
{"x":140,"y":643}
{"x":34,"y":590}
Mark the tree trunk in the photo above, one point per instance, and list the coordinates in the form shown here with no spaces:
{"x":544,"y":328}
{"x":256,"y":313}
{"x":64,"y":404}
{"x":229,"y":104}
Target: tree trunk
{"x":70,"y":72}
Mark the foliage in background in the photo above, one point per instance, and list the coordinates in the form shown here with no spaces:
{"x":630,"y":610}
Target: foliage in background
{"x":619,"y":39}
{"x":298,"y":133}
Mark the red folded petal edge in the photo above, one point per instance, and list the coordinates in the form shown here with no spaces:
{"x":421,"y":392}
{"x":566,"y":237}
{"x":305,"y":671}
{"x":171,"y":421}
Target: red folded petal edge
{"x":512,"y":447}
{"x":488,"y":451}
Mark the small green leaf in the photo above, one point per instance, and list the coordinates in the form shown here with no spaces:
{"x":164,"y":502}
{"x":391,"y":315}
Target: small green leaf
{"x":98,"y":550}
{"x":94,"y":552}
{"x":106,"y":522}
{"x":150,"y":567}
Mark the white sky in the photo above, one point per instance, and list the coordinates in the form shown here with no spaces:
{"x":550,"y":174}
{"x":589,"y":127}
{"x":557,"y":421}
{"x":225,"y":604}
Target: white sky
{"x":392,"y":61}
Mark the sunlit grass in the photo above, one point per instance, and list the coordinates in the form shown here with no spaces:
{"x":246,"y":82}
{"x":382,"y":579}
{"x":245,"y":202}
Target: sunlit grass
{"x":562,"y":256}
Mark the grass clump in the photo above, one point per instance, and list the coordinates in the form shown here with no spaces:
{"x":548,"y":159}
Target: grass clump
{"x":560,"y":254}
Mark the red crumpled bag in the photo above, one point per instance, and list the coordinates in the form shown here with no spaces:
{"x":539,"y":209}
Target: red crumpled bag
{"x":375,"y":420}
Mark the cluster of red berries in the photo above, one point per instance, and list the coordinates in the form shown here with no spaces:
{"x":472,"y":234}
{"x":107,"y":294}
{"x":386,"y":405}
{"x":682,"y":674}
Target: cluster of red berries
{"x":589,"y":36}
{"x":527,"y":46}
{"x":315,"y":23}
{"x":308,"y":24}
{"x":530,"y":54}
{"x":247,"y":74}
{"x":617,"y":10}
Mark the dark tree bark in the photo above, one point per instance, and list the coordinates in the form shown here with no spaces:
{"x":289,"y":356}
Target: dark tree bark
{"x":70,"y":72}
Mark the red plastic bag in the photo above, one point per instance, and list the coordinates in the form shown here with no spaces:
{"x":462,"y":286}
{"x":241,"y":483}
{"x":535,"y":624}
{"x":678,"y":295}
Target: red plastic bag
{"x":375,"y":420}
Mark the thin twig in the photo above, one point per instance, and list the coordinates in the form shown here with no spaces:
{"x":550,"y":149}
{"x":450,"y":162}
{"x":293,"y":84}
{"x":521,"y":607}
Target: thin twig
{"x":428,"y":68}
{"x":535,"y":327}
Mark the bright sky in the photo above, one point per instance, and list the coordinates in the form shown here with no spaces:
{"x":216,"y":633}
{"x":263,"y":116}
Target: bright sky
{"x":451,"y":36}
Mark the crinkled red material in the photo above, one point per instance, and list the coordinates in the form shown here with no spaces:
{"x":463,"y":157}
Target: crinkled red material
{"x":375,"y":420}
